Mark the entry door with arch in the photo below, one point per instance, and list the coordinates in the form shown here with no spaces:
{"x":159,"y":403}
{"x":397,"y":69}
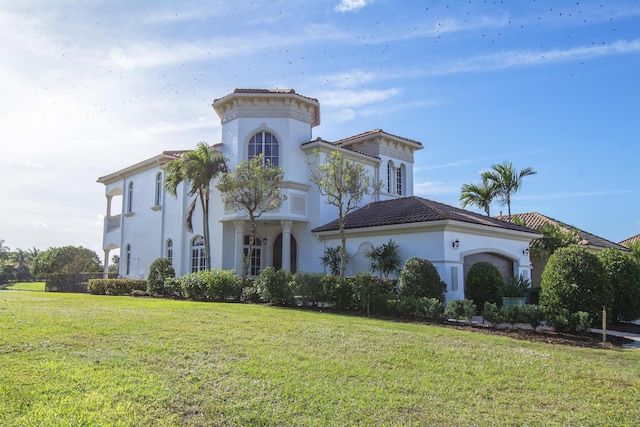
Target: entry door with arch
{"x":277,"y":253}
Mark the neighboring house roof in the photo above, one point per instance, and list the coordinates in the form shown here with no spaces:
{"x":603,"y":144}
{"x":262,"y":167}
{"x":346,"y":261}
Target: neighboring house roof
{"x":413,"y":209}
{"x":536,"y":220}
{"x":630,"y":241}
{"x":319,"y":140}
{"x":364,"y":135}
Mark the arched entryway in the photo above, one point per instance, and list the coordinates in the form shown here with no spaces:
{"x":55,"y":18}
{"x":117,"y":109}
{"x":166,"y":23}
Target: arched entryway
{"x":277,"y":253}
{"x":504,"y":265}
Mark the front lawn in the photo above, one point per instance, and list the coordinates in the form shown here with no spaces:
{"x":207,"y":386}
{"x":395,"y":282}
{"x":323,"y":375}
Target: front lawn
{"x":70,"y":359}
{"x":26,"y":286}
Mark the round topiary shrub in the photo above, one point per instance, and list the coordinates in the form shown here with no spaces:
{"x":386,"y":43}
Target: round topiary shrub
{"x":575,"y":280}
{"x":483,"y":284}
{"x":420,"y":279}
{"x":159,"y":270}
{"x":624,"y":276}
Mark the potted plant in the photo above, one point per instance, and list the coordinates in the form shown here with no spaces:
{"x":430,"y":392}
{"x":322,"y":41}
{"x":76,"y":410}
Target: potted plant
{"x":514,"y":290}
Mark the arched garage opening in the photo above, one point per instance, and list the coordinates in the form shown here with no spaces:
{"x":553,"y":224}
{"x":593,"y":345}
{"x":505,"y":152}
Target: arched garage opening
{"x":504,"y":265}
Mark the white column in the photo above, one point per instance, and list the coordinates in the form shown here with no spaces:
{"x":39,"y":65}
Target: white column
{"x":105,"y":274}
{"x":286,"y":245}
{"x":239,"y":246}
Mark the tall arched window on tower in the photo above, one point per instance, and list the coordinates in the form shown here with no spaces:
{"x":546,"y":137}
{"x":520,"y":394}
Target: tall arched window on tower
{"x":130,"y":197}
{"x":390,"y":176}
{"x":158,"y":198}
{"x":197,"y":254}
{"x":266,"y":144}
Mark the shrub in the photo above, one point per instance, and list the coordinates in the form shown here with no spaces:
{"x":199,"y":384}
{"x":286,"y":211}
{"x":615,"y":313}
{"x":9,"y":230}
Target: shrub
{"x":509,"y":314}
{"x":249,"y":291}
{"x":337,"y":293}
{"x":419,"y":278}
{"x":559,"y":320}
{"x":194,"y":286}
{"x":460,"y":309}
{"x":516,"y":287}
{"x":173,"y":287}
{"x":308,"y":286}
{"x":533,"y":315}
{"x":159,"y":270}
{"x":580,"y":322}
{"x":422,"y":308}
{"x":138,"y":293}
{"x":575,"y":280}
{"x":490,"y":313}
{"x":483,"y":284}
{"x":222,"y":285}
{"x":274,"y":286}
{"x":624,"y":276}
{"x":115,"y":286}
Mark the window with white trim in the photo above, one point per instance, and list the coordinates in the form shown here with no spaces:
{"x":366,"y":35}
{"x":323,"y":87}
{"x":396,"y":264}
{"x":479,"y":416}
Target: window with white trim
{"x":396,"y":177}
{"x":198,"y":262}
{"x":255,"y":263}
{"x":266,"y":144}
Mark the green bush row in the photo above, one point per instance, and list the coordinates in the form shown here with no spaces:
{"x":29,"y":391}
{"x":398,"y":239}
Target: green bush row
{"x":115,"y":286}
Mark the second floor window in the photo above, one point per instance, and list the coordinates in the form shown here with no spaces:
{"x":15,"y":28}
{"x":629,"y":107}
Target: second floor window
{"x":158,"y":198}
{"x":266,"y":144}
{"x":130,"y":197}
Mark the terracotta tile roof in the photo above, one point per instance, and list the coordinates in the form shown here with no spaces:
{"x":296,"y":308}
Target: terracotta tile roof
{"x":318,"y":139}
{"x":631,"y":240}
{"x":536,"y":220}
{"x":374,"y":132}
{"x":414,"y":209}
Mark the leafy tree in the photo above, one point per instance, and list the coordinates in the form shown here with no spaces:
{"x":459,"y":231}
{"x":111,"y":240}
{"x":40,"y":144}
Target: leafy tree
{"x":553,"y":238}
{"x":480,"y":195}
{"x":343,"y":183}
{"x":114,"y":267}
{"x":159,"y":270}
{"x":196,"y":168}
{"x":575,"y":280}
{"x":419,"y":278}
{"x":483,"y":284}
{"x":385,"y":259}
{"x":624,"y":276}
{"x":506,"y":180}
{"x":254,"y":187}
{"x":65,"y":260}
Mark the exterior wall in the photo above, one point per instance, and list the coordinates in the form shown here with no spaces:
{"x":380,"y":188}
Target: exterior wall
{"x":436,"y":245}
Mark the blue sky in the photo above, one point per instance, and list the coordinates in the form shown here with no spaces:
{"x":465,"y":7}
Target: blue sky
{"x":90,"y":87}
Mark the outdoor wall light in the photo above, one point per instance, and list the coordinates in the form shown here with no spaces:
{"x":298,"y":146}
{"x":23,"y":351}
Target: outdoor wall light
{"x":265,"y":240}
{"x":525,"y":251}
{"x":456,"y":244}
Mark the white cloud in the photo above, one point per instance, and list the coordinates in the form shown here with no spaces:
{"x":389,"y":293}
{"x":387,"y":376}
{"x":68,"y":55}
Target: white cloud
{"x":351,"y":5}
{"x":353,"y":99}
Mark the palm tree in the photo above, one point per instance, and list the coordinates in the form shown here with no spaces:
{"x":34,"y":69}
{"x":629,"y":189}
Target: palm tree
{"x":4,"y":251}
{"x":507,"y":180}
{"x":635,"y":251}
{"x":196,"y":168}
{"x":480,"y":195}
{"x":385,"y":259}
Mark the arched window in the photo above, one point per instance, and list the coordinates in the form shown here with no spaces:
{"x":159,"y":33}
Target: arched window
{"x":197,"y":254}
{"x":277,"y":253}
{"x":267,"y":144}
{"x":158,"y":198}
{"x":127,"y":257}
{"x":390,"y":178}
{"x":170,"y":250}
{"x":130,"y":197}
{"x":256,"y":255}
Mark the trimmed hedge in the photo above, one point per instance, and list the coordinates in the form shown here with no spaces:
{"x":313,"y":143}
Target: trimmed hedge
{"x":483,"y":284}
{"x":420,"y":279}
{"x":116,"y":286}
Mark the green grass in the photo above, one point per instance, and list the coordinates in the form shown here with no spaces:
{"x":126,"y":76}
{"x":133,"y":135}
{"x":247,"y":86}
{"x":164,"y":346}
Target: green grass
{"x":26,"y":286}
{"x":82,"y":360}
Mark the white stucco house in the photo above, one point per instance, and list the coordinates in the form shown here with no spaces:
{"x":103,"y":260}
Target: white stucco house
{"x":279,"y":123}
